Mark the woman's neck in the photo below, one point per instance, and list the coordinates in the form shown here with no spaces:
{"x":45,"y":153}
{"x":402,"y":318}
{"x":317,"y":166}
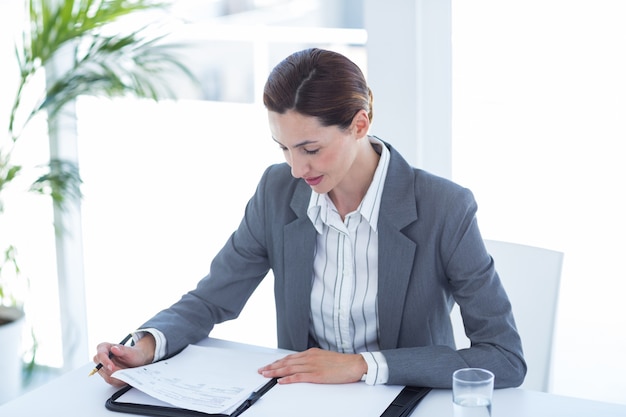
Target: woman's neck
{"x":348,"y":195}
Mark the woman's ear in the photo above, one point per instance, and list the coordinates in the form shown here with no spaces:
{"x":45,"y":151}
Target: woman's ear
{"x":361,"y":124}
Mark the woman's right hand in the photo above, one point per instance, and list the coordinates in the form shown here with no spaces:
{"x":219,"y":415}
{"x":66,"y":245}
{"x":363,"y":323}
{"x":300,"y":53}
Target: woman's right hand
{"x":141,"y":353}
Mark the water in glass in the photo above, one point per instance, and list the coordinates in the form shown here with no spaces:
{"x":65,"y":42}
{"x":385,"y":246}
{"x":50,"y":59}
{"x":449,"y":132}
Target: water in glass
{"x":472,"y":406}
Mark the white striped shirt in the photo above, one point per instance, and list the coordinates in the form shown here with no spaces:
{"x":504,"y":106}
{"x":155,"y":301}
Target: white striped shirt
{"x":344,"y":308}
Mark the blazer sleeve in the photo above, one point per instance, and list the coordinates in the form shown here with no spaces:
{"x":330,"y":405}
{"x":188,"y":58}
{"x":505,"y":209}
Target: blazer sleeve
{"x":452,"y":264}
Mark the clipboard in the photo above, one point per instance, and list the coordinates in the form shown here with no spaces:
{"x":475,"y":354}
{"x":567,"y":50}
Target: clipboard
{"x":115,"y":404}
{"x":401,"y":406}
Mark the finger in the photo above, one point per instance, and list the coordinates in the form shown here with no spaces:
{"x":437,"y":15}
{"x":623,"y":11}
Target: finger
{"x":118,"y":351}
{"x":110,"y":356}
{"x":289,"y":360}
{"x":277,"y":369}
{"x":110,"y":380}
{"x":123,"y":357}
{"x":102,"y":355}
{"x":294,"y":369}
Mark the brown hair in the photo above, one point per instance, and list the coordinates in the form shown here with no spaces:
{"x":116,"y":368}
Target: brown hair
{"x":319,"y":83}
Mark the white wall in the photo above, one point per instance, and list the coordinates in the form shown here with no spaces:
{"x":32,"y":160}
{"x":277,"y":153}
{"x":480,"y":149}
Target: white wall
{"x":165,"y":185}
{"x":538,"y":135}
{"x":409,"y":71}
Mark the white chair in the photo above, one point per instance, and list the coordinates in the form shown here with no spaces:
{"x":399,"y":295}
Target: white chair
{"x":531,"y":278}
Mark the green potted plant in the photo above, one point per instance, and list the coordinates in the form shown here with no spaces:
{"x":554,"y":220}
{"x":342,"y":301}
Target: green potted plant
{"x":97,"y":61}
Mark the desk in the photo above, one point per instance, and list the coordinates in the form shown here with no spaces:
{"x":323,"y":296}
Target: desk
{"x":75,"y":395}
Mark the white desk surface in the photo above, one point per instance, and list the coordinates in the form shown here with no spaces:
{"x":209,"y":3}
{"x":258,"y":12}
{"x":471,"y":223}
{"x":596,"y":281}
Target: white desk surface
{"x":76,"y":395}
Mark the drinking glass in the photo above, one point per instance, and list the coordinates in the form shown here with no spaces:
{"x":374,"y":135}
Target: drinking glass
{"x":472,"y":391}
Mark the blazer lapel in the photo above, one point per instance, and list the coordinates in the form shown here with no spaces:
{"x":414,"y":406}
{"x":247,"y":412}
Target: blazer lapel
{"x":396,"y":252}
{"x":299,"y":248}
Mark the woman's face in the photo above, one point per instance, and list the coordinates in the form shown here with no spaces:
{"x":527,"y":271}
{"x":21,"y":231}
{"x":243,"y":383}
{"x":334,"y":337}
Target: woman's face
{"x":320,"y":155}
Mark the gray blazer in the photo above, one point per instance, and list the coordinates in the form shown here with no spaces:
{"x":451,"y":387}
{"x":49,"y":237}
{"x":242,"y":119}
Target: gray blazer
{"x":431,"y":253}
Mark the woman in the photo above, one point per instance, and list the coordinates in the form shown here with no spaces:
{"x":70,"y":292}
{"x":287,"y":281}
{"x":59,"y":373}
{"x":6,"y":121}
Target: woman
{"x":368,"y":253}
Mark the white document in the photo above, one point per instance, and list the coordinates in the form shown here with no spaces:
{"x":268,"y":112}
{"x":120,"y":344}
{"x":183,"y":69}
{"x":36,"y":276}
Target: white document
{"x":325,"y":400}
{"x":207,"y":379}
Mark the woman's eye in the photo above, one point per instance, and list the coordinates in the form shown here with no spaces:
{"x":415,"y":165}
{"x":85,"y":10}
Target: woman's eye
{"x":311,"y":152}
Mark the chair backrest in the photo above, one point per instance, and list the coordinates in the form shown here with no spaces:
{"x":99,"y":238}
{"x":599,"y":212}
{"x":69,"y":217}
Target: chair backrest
{"x":531,"y":278}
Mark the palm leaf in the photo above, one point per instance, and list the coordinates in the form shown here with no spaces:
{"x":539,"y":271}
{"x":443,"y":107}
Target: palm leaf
{"x":61,"y":181}
{"x":102,"y":65}
{"x":115,"y":66}
{"x":8,"y":172}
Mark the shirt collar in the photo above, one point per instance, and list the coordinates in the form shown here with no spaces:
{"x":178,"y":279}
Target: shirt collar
{"x":319,"y":204}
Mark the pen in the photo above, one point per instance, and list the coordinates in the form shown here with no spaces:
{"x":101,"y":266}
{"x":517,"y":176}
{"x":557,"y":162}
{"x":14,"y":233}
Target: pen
{"x":98,"y":366}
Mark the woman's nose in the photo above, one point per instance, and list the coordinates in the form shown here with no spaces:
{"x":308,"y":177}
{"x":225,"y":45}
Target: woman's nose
{"x":298,"y":166}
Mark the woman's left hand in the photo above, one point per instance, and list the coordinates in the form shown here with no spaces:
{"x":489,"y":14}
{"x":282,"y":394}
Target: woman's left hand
{"x":317,"y":366}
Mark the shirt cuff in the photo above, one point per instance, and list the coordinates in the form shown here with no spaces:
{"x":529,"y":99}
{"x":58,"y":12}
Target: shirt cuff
{"x":159,"y":338}
{"x":377,"y":368}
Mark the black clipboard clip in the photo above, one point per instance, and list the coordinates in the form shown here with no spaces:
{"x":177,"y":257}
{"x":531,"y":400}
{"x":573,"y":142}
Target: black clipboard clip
{"x":254,"y":397}
{"x":406,"y":401}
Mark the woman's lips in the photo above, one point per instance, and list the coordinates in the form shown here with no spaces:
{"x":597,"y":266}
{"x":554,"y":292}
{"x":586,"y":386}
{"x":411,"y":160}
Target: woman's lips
{"x":313,"y":181}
